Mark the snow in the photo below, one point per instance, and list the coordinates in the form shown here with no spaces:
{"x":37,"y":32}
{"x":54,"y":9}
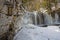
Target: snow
{"x":31,"y":32}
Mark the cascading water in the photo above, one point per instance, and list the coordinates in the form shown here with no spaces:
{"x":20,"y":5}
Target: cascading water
{"x":38,"y":19}
{"x":35,"y":16}
{"x":47,"y":19}
{"x":42,"y":18}
{"x":56,"y":18}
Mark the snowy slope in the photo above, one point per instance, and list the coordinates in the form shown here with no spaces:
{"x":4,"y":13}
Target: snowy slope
{"x":31,"y":32}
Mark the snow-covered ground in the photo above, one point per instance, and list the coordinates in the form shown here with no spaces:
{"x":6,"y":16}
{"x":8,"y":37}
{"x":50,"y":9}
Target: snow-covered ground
{"x":31,"y":32}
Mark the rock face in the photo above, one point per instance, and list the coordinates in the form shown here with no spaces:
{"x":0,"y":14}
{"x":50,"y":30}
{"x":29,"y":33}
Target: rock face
{"x":4,"y":25}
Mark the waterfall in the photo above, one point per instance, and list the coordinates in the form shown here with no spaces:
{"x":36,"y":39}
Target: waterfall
{"x":38,"y":19}
{"x":35,"y":17}
{"x":56,"y":18}
{"x":47,"y":19}
{"x":31,"y":18}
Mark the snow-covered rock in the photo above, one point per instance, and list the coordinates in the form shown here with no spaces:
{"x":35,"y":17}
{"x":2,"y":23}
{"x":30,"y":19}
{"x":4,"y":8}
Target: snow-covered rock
{"x":31,"y":32}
